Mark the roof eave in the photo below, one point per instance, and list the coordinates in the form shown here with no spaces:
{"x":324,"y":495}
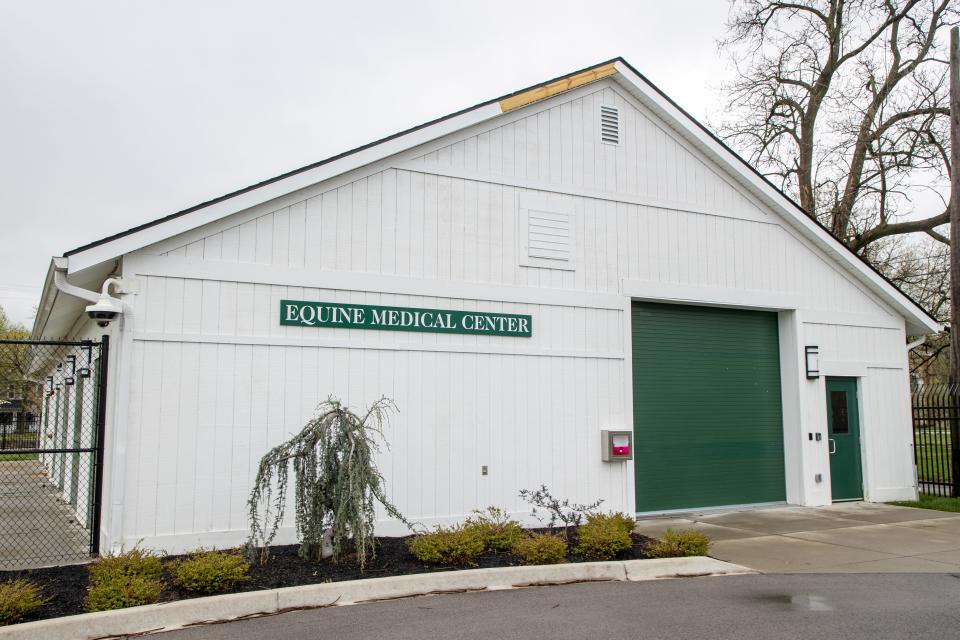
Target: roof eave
{"x":917,"y":320}
{"x":150,"y":233}
{"x":48,"y":298}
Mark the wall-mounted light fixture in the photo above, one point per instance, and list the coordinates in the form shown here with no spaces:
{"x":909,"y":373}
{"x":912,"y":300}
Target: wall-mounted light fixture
{"x":72,"y":361}
{"x":812,"y":353}
{"x":84,"y":372}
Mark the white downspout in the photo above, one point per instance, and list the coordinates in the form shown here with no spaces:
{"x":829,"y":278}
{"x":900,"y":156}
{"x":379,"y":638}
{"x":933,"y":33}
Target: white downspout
{"x":916,"y":343}
{"x":61,"y":283}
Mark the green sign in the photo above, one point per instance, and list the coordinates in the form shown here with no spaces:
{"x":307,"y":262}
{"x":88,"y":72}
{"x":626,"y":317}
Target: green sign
{"x":299,"y":313}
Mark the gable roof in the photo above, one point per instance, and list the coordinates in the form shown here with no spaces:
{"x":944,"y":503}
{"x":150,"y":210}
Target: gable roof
{"x":618,"y":70}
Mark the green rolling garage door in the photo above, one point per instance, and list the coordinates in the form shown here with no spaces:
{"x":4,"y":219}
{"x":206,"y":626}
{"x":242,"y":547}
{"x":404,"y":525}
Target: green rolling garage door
{"x":707,"y":418}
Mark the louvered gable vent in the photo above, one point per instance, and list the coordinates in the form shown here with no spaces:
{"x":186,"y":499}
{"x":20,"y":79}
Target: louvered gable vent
{"x":609,"y":125}
{"x":549,"y":235}
{"x":548,"y":231}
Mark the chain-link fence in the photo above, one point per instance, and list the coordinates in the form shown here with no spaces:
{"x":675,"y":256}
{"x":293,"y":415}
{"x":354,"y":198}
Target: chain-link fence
{"x":50,"y":451}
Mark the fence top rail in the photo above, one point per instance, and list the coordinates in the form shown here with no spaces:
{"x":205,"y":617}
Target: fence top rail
{"x":54,"y":343}
{"x":20,"y":452}
{"x":939,"y":391}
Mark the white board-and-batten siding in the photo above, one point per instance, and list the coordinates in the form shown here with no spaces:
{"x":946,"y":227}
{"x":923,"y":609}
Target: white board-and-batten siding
{"x":215,"y":380}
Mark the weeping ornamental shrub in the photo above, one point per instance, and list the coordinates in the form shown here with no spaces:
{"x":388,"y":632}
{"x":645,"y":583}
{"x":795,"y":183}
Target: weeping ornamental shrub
{"x":336,"y":480}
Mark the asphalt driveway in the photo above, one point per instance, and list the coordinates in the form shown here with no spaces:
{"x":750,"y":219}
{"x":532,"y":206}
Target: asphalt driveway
{"x":751,"y":607}
{"x":857,"y":537}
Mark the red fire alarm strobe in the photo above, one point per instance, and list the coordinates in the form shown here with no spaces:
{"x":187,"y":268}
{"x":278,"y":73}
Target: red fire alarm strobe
{"x":616,"y":445}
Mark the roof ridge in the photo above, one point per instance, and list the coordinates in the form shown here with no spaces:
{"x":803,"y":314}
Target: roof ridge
{"x":510,"y":101}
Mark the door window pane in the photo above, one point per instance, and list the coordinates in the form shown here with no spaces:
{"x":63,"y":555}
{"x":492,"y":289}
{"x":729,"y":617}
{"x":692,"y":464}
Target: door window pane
{"x":838,"y":407}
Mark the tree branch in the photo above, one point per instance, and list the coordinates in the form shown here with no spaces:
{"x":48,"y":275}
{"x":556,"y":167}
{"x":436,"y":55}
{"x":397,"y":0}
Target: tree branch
{"x":896,"y":228}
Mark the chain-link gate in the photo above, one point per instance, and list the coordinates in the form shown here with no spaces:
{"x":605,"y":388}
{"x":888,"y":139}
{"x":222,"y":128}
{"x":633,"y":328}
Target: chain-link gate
{"x":51,"y":450}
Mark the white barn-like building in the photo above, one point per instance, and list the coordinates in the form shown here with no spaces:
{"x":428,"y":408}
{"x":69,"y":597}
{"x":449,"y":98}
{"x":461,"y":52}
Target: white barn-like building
{"x":577,"y":257}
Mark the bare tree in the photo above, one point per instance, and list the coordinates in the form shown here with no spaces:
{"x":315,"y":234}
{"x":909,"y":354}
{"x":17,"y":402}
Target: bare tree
{"x":845,"y":104}
{"x":921,"y":268}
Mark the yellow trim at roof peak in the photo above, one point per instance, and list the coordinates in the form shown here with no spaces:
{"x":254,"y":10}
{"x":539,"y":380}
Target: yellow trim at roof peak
{"x":557,"y":86}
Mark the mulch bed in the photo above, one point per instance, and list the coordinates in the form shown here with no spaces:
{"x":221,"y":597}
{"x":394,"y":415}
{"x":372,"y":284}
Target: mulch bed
{"x":67,"y":586}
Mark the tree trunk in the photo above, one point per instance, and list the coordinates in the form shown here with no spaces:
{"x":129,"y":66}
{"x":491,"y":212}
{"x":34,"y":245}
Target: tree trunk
{"x":954,"y":206}
{"x":326,"y":543}
{"x":955,"y":253}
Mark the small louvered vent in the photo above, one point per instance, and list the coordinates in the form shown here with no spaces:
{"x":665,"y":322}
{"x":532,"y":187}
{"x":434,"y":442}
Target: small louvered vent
{"x":548,"y":235}
{"x":609,"y":125}
{"x":547,"y":232}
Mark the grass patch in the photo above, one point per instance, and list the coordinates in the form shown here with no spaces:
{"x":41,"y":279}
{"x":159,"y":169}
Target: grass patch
{"x":934,"y":450}
{"x":939,"y":503}
{"x":19,"y":441}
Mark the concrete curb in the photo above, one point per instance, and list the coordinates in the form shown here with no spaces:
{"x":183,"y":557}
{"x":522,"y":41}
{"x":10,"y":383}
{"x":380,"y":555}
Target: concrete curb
{"x":182,"y":613}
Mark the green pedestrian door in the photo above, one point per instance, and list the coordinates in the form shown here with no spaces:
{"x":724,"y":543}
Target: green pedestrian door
{"x":843,"y":426}
{"x":707,"y":420}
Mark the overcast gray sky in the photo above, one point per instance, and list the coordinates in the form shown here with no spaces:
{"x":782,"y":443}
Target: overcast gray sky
{"x":116,"y":113}
{"x":113,"y":113}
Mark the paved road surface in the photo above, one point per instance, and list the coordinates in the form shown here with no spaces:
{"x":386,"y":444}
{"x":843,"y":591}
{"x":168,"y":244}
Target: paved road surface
{"x":767,"y":607}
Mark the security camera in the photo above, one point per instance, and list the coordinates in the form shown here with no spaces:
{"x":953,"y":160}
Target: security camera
{"x":105,"y":310}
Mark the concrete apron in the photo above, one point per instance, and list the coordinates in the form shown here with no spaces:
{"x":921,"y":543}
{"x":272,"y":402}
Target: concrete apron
{"x":40,"y":529}
{"x":851,"y":537}
{"x":182,"y":613}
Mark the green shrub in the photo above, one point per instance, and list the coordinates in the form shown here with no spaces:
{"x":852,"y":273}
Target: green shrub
{"x":210,"y":571}
{"x":126,"y":579}
{"x":541,"y":548}
{"x":119,"y":591}
{"x":18,"y":598}
{"x":456,"y":545}
{"x":496,"y":528}
{"x":135,"y":562}
{"x":676,"y":544}
{"x":602,"y":536}
{"x":617,"y":519}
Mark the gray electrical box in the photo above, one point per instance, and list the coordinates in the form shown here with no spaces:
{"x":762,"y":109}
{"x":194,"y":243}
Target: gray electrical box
{"x":616,"y":445}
